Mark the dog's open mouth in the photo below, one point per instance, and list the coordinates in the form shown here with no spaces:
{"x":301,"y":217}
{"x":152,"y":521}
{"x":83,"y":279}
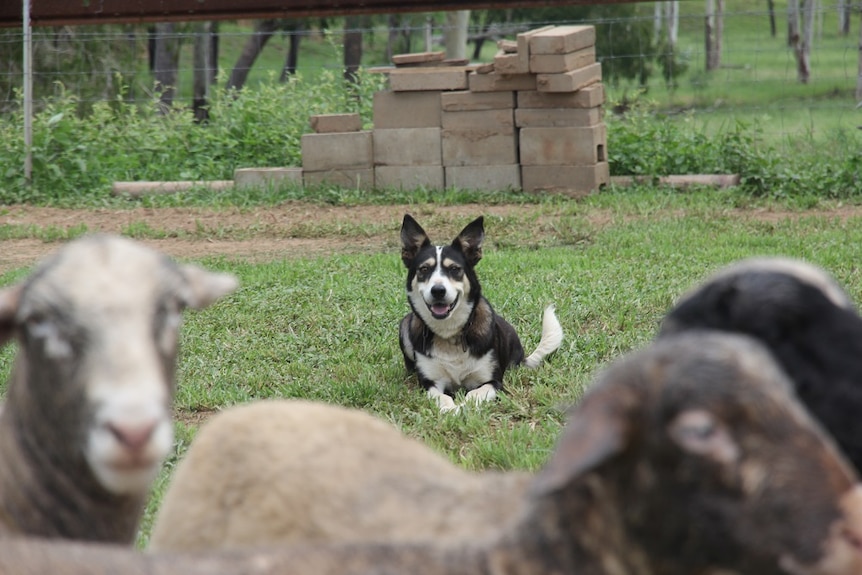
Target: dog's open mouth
{"x":441,"y":310}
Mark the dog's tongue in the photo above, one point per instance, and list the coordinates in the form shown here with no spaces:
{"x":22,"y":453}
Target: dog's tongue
{"x":440,"y":309}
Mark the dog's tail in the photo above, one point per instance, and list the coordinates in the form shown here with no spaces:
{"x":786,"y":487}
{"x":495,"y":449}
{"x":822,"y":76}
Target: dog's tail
{"x":552,"y":337}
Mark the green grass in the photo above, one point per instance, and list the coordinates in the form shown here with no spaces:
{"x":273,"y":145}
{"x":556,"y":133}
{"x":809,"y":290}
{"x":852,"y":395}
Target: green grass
{"x":324,"y":328}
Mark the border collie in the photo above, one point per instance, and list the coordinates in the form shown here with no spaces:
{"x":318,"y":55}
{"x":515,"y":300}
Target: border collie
{"x":453,"y":339}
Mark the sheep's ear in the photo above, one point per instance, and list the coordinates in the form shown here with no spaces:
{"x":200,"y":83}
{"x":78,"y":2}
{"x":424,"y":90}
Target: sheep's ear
{"x":598,"y":430}
{"x":470,"y":240}
{"x":205,"y":287}
{"x":9,"y":300}
{"x":413,"y":239}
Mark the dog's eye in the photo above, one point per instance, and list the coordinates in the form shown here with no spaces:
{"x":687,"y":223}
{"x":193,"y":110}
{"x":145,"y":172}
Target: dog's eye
{"x":454,"y":269}
{"x":424,"y":270}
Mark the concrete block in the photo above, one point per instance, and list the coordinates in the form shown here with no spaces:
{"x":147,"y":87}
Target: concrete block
{"x":511,"y":63}
{"x":486,"y":178}
{"x":407,"y":147}
{"x":558,"y":117}
{"x":494,"y":82}
{"x":418,"y":58}
{"x":479,"y":147}
{"x":575,"y":181}
{"x":424,"y":79}
{"x":467,"y":101}
{"x":331,"y":123}
{"x":261,"y":177}
{"x":589,"y":97}
{"x":362,"y":179}
{"x":406,"y":109}
{"x":563,"y":146}
{"x":562,"y":39}
{"x":559,"y":63}
{"x":409,"y":177}
{"x":569,"y":81}
{"x":322,"y":152}
{"x":499,"y":121}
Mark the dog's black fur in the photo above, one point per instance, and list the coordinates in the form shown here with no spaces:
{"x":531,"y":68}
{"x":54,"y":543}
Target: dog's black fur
{"x":452,"y":338}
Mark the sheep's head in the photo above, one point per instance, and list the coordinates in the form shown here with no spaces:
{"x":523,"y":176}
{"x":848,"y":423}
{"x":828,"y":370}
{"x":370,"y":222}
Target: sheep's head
{"x":700,"y":445}
{"x":97,"y":328}
{"x":805,"y":319}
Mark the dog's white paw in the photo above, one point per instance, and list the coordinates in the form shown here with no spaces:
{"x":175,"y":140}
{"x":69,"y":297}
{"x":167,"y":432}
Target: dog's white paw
{"x":443,"y":401}
{"x":481,"y":394}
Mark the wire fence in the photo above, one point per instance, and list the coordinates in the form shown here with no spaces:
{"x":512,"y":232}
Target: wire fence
{"x":655,"y":52}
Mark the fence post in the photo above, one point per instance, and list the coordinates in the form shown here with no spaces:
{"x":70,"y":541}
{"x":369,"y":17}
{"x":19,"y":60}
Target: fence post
{"x":28,"y":92}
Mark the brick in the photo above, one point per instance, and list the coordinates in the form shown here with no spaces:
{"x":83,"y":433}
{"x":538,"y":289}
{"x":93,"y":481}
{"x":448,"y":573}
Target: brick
{"x":331,"y":123}
{"x":485,"y":178}
{"x":499,"y":121}
{"x":407,"y":147}
{"x":424,"y":79}
{"x":337,"y":151}
{"x":575,"y":181}
{"x":558,"y":117}
{"x":562,"y":39}
{"x":511,"y":63}
{"x":589,"y":97}
{"x":494,"y":82}
{"x":406,"y":109}
{"x":507,"y":46}
{"x":362,"y":179}
{"x":261,"y":177}
{"x":563,"y":146}
{"x":569,"y":81}
{"x":479,"y":147}
{"x":467,"y":101}
{"x":418,"y":58}
{"x":409,"y":177}
{"x":559,"y":63}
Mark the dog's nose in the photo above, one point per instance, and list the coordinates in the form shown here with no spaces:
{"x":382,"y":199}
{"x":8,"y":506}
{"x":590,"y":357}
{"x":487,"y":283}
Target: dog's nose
{"x":438,"y":291}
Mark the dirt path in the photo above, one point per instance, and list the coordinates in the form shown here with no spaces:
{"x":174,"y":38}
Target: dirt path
{"x":293,"y":229}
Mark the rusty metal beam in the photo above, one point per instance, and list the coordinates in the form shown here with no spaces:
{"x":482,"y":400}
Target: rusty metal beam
{"x":77,"y":12}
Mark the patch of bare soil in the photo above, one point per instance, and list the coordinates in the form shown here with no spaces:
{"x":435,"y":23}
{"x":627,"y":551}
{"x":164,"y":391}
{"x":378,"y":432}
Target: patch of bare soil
{"x":285,"y":231}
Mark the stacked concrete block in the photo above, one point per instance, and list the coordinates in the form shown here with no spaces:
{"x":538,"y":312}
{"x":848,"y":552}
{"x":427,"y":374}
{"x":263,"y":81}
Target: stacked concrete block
{"x":339,"y":152}
{"x":480,"y":142}
{"x":407,"y":150}
{"x":563,"y":139}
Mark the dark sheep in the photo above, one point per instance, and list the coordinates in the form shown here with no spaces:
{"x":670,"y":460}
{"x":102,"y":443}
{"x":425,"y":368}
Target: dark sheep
{"x":805,"y":319}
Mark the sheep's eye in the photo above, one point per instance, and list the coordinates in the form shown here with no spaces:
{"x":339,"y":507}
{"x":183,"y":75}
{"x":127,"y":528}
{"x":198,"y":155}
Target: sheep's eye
{"x":168,"y":321}
{"x":699,"y":432}
{"x":54,"y":343}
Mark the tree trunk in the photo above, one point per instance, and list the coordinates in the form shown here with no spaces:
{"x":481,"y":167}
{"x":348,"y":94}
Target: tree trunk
{"x":202,"y":70}
{"x":165,"y":64}
{"x":292,"y":58}
{"x":392,"y":36}
{"x":859,"y":74}
{"x":792,"y":23}
{"x":263,"y":31}
{"x":658,"y":10}
{"x":457,"y":23}
{"x":803,"y":49}
{"x":214,"y":52}
{"x":352,"y":46}
{"x":770,"y":4}
{"x":672,"y":23}
{"x":844,"y":17}
{"x":714,"y":33}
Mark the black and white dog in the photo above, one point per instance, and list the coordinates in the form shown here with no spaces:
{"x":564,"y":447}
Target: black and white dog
{"x":452,"y":338}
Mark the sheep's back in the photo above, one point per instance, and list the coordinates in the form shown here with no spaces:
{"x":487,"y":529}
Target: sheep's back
{"x":281,"y":471}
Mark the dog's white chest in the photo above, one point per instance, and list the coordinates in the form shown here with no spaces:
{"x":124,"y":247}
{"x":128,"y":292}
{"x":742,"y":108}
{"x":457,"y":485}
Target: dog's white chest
{"x":450,"y":366}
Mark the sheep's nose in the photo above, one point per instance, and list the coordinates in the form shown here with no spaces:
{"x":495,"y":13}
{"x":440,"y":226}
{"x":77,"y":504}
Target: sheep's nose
{"x":438,"y":291}
{"x":133,"y":437}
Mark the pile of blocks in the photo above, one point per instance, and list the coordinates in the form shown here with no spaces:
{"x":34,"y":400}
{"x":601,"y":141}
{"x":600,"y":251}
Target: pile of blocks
{"x":530,"y":120}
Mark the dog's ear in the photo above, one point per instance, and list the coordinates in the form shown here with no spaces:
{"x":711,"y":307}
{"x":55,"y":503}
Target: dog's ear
{"x":413,"y":239}
{"x":470,"y":240}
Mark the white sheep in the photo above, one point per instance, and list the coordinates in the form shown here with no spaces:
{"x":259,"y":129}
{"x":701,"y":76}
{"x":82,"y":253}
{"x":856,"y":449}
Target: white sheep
{"x":691,"y":456}
{"x":87,"y":417}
